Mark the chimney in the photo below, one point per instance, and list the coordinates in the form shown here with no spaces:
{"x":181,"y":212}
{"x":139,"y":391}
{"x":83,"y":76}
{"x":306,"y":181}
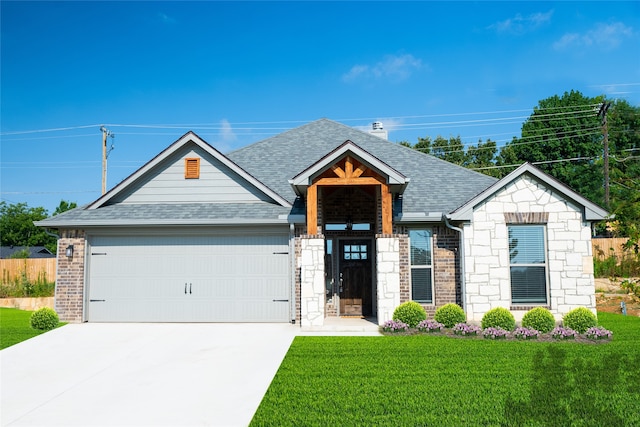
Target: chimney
{"x":378,"y":130}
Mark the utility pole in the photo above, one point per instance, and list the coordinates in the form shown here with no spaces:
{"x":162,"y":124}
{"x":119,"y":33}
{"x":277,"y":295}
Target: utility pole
{"x":105,"y":133}
{"x":604,"y":107}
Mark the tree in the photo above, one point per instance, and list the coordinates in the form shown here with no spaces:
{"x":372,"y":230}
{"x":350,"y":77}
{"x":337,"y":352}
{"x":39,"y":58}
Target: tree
{"x":482,"y":157}
{"x":624,"y":172}
{"x":565,"y":134}
{"x":451,"y":150}
{"x":64,"y":206}
{"x":17,"y":228}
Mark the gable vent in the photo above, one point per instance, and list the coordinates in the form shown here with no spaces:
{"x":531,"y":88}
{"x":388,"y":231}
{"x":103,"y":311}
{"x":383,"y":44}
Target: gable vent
{"x":192,"y":168}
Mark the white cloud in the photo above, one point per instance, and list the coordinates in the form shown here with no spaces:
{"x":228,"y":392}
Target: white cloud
{"x":391,"y":67}
{"x":226,"y":131}
{"x":604,"y":36}
{"x":522,"y":24}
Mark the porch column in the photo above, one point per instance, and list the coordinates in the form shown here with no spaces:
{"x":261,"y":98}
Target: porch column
{"x":312,"y":210}
{"x":388,"y":276}
{"x":312,"y":292}
{"x":387,"y":209}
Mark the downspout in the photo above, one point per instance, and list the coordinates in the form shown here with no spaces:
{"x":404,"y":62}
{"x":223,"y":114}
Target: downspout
{"x":292,"y":273}
{"x":49,"y":233}
{"x":462,"y":260}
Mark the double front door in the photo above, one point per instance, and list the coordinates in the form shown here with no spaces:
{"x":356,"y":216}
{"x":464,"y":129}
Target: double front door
{"x":355,"y":277}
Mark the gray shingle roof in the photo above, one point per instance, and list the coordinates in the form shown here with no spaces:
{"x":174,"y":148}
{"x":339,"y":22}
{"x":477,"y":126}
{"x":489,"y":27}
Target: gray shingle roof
{"x":34,"y":251}
{"x":436,"y":185}
{"x":170,"y":214}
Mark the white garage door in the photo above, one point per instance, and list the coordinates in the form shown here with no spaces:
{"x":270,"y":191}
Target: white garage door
{"x":197,"y":278}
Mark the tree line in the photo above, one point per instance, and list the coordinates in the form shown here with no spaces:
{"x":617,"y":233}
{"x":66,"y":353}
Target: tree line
{"x":564,"y":137}
{"x":17,"y":228}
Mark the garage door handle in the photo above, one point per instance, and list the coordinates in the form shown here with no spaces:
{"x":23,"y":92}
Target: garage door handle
{"x":97,"y":300}
{"x":190,"y":284}
{"x":280,"y":300}
{"x":185,"y":288}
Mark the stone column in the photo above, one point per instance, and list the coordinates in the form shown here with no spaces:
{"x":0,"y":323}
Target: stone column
{"x":388,"y":276}
{"x":312,"y":281}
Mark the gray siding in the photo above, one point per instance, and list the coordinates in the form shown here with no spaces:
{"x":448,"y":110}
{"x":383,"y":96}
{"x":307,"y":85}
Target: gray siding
{"x":217,"y":183}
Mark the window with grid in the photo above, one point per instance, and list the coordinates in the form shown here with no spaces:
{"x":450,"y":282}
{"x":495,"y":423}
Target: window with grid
{"x":528,"y":264}
{"x":420,"y":243}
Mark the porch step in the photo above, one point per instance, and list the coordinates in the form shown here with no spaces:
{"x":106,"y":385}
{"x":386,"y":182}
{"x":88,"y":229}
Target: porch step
{"x":344,"y":326}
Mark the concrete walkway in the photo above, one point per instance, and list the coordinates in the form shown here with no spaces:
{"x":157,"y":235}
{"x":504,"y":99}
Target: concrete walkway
{"x":97,"y":374}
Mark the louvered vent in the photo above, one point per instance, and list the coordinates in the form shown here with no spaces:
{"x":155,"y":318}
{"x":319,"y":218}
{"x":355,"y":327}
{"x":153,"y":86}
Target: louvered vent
{"x":192,"y":168}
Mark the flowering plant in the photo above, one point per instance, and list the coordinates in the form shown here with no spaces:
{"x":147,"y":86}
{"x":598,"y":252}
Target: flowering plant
{"x":598,"y":333}
{"x":395,"y":326}
{"x":495,"y":333}
{"x":430,"y":326}
{"x":561,"y":333}
{"x":464,"y":329}
{"x":523,"y":333}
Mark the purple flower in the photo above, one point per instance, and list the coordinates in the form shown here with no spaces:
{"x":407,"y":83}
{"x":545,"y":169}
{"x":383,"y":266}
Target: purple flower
{"x":523,"y":333}
{"x":561,"y":333}
{"x":395,"y":326}
{"x":430,"y":326}
{"x":598,"y":333}
{"x":495,"y":333}
{"x":464,"y":329}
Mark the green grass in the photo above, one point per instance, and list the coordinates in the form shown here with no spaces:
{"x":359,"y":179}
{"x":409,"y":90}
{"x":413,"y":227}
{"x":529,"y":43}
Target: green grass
{"x":15,"y":327}
{"x":436,"y":380}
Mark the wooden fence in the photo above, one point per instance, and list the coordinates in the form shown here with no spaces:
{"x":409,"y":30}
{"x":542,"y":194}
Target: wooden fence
{"x":32,"y":267}
{"x":603,"y":248}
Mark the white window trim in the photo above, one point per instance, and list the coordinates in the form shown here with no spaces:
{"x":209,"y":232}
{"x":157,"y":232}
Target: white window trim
{"x":547,"y":302}
{"x":430,"y":266}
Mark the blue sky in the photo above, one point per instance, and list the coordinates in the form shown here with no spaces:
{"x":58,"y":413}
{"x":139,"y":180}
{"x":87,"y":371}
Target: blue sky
{"x":236,"y":73}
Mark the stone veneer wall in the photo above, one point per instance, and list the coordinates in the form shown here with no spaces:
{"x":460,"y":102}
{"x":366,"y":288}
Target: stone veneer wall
{"x":312,"y":287}
{"x":388,"y":276}
{"x":569,"y":253}
{"x":69,"y":294}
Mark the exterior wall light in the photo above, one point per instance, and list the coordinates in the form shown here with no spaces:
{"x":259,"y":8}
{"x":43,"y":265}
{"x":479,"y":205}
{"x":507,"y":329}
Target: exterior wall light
{"x":69,"y":251}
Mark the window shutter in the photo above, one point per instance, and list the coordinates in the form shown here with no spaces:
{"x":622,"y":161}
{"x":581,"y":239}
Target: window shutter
{"x":192,"y":168}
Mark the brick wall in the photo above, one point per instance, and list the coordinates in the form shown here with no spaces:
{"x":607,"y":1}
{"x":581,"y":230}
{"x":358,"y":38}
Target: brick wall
{"x":446,"y":268}
{"x":69,"y":295}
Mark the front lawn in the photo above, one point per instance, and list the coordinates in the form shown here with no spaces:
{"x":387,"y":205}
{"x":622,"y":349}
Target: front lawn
{"x":15,"y":327}
{"x":438,"y":380}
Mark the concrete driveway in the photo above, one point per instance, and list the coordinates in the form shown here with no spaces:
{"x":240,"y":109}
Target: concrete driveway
{"x":97,"y":374}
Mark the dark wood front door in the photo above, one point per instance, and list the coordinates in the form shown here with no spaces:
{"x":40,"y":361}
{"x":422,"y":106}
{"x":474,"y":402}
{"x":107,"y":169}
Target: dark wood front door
{"x":355,"y":278}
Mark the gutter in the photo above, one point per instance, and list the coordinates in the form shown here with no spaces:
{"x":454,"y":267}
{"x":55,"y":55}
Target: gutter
{"x":462,"y":260}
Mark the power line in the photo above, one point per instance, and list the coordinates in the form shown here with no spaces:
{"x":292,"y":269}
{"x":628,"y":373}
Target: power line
{"x":212,"y":126}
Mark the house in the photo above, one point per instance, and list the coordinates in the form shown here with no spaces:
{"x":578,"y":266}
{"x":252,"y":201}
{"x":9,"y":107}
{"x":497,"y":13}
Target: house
{"x":322,"y":220}
{"x":30,"y":251}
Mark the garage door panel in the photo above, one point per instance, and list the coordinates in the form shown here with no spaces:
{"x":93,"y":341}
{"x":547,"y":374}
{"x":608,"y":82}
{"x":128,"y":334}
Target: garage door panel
{"x":227,"y":279}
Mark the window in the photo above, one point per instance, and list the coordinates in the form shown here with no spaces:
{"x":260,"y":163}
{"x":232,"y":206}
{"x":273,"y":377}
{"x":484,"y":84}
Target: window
{"x":351,"y":252}
{"x":421,"y":265}
{"x":192,"y":168}
{"x":528,"y":264}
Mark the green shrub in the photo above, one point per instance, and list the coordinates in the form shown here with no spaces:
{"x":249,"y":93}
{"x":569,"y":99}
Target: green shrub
{"x":579,"y":319}
{"x":498,"y":317}
{"x":540,"y":319}
{"x":450,"y":314}
{"x":44,"y":319}
{"x":410,"y":313}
